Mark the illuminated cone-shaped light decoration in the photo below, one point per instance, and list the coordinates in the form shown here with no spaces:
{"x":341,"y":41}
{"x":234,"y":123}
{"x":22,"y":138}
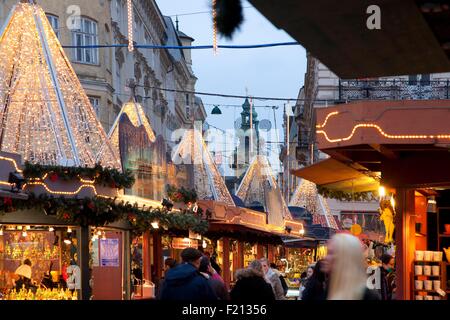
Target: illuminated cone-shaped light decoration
{"x":306,"y":196}
{"x":137,"y":117}
{"x":208,"y":182}
{"x":259,"y":185}
{"x":45,"y":115}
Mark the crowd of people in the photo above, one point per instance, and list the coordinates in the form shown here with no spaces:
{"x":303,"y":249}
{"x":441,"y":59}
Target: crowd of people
{"x":341,"y":275}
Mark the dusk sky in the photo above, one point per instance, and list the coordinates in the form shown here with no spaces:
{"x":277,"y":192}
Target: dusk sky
{"x":269,"y":72}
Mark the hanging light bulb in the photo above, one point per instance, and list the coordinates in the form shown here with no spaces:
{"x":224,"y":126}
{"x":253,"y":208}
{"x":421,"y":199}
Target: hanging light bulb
{"x":51,"y":229}
{"x":28,"y":227}
{"x":1,"y":231}
{"x":19,"y":227}
{"x":302,"y":232}
{"x":155,"y":225}
{"x":24,"y":234}
{"x":99,"y":232}
{"x":69,"y":230}
{"x":67,"y":241}
{"x":204,"y":245}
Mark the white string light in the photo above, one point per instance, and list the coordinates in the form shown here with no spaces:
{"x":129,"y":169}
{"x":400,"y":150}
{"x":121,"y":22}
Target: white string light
{"x":49,"y":119}
{"x":214,"y":16}
{"x":130,"y":26}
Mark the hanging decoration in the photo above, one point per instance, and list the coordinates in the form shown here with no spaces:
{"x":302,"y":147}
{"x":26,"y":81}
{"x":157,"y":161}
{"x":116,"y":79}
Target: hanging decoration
{"x":229,"y":16}
{"x":214,"y":17}
{"x":130,"y":26}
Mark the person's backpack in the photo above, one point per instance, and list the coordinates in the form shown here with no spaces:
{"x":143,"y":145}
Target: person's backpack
{"x":284,"y":285}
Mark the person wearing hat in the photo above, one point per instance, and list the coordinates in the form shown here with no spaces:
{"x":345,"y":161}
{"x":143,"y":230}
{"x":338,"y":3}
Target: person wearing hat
{"x":24,"y":273}
{"x":184,"y":282}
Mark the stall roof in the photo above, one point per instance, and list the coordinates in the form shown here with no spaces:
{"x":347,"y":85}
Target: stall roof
{"x":333,"y":174}
{"x":413,"y":38}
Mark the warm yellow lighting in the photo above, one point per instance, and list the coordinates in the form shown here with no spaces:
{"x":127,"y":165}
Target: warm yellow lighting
{"x":383,"y":133}
{"x":392,"y":202}
{"x":1,"y":231}
{"x":19,"y":227}
{"x":49,"y":119}
{"x":51,"y":229}
{"x":69,"y":229}
{"x":13,"y":162}
{"x":130,"y":25}
{"x":67,"y":241}
{"x":27,"y":227}
{"x":99,"y":232}
{"x":155,"y":225}
{"x":24,"y":234}
{"x":381,"y":191}
{"x":193,"y":148}
{"x":302,"y":232}
{"x":326,"y":119}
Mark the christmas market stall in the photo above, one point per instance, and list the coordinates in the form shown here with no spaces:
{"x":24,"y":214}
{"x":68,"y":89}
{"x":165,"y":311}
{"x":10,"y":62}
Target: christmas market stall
{"x":374,"y":149}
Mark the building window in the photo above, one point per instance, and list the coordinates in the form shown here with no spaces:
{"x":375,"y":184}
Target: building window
{"x":95,"y":102}
{"x":87,"y":35}
{"x":187,"y":99}
{"x":54,"y":22}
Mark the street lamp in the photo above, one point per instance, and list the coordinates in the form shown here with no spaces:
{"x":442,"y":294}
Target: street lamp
{"x":216,"y":110}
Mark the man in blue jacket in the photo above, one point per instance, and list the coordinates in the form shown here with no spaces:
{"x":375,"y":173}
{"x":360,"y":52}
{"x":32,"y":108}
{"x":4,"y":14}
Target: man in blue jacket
{"x":184,"y":282}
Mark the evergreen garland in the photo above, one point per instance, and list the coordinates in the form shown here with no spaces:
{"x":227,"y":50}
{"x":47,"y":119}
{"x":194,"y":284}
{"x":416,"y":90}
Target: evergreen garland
{"x":347,"y":196}
{"x":104,"y":176}
{"x":99,"y":212}
{"x":181,"y":194}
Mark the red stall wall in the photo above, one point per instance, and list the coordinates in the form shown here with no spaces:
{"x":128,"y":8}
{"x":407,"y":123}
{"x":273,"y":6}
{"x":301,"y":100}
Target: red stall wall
{"x":421,"y":217}
{"x":108,"y":280}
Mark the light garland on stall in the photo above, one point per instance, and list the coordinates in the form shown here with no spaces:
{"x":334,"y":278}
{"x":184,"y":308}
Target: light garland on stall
{"x":380,"y":130}
{"x":130,"y":26}
{"x":49,"y":118}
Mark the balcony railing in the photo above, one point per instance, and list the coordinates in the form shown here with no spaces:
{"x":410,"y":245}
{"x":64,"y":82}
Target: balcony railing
{"x":350,"y":90}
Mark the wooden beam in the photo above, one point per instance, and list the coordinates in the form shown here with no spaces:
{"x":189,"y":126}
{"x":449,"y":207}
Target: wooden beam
{"x":385,"y":151}
{"x":417,"y":171}
{"x":405,"y":242}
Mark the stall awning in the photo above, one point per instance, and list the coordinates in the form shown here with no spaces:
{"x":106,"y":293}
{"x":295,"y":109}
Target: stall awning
{"x":333,"y":174}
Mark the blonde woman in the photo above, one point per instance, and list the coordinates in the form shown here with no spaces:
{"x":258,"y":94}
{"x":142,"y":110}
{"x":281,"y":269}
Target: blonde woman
{"x":345,"y":265}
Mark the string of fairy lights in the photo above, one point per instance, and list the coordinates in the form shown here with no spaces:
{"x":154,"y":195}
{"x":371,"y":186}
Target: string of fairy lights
{"x":49,"y":118}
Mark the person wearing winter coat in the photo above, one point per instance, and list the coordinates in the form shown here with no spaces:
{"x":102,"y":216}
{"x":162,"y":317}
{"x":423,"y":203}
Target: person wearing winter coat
{"x":251,"y":285}
{"x":184,"y":282}
{"x":217,"y":285}
{"x":274,"y":279}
